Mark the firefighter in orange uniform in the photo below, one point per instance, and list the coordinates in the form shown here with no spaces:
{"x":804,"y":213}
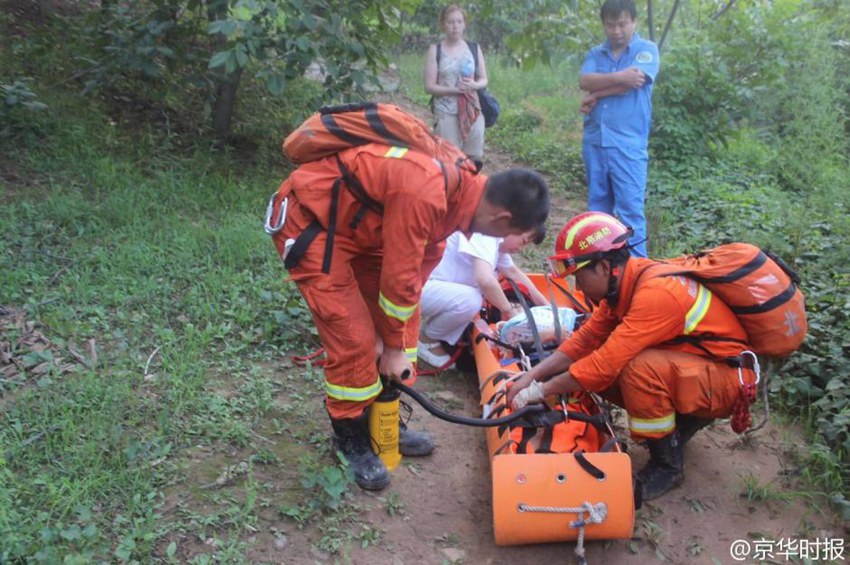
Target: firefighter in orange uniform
{"x":662,"y":347}
{"x":362,"y":231}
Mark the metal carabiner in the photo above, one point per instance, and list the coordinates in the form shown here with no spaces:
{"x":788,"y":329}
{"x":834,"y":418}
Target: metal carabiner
{"x":563,"y":404}
{"x":756,"y":367}
{"x":273,"y":228}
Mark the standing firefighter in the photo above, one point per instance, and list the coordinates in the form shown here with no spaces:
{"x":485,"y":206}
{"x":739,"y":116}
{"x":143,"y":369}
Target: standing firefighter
{"x":659,"y":344}
{"x":363,"y":229}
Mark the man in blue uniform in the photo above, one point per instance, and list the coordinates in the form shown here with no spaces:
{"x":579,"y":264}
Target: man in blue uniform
{"x":619,"y":74}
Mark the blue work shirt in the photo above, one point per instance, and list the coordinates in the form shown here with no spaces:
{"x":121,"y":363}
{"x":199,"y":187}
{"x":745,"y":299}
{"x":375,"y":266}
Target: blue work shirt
{"x":622,"y":120}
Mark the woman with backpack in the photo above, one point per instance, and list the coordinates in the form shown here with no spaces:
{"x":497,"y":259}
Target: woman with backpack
{"x":454,"y":73}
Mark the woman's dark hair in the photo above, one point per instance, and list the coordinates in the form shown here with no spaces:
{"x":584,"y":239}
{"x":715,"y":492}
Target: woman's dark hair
{"x":612,"y":9}
{"x":524,"y":193}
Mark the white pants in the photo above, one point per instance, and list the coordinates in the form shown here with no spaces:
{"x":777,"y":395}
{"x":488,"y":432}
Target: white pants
{"x":447,"y":308}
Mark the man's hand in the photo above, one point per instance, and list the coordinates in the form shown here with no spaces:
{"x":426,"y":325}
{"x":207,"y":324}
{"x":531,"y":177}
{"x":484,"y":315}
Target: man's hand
{"x":632,"y":77}
{"x":394,"y":365}
{"x":529,"y":395}
{"x":519,"y":383}
{"x":588,"y":103}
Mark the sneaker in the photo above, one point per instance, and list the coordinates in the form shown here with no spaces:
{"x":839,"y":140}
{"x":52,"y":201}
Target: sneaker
{"x":434,"y":359}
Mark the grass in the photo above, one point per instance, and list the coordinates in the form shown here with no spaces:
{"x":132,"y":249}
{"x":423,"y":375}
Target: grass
{"x":160,"y":259}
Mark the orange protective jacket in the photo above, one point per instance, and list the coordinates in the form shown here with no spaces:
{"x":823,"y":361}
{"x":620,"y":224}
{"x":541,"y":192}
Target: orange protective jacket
{"x":423,"y":202}
{"x":652,"y":312}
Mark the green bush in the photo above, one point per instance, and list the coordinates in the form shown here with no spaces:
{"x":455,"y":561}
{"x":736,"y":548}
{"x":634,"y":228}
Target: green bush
{"x":694,"y":105}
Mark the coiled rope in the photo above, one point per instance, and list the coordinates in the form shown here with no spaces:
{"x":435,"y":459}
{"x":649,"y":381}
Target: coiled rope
{"x":596,"y":514}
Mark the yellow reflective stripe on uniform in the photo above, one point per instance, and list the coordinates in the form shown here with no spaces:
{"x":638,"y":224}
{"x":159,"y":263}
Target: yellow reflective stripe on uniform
{"x":411,"y":354}
{"x":351,"y":393}
{"x":698,"y":310}
{"x":653,"y":425}
{"x":402,"y":313}
{"x":571,"y":235}
{"x":396,"y":152}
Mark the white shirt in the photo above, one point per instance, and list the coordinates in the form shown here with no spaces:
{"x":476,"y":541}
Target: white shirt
{"x":456,"y":264}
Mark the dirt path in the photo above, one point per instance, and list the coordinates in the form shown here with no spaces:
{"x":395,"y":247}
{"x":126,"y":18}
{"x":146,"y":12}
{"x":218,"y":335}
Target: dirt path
{"x":444,"y":512}
{"x":438,"y":509}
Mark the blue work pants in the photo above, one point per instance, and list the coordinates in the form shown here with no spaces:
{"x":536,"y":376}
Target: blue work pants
{"x":616,"y":185}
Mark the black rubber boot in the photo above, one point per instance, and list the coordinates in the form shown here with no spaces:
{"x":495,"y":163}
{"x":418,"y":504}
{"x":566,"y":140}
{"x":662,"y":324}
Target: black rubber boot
{"x":665,"y":470}
{"x":687,"y":425}
{"x":414,"y":444}
{"x":351,"y":437}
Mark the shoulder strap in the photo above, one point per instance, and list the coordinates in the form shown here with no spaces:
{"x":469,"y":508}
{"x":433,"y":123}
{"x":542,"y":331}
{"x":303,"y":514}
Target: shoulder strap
{"x":439,"y":54}
{"x":473,"y":47}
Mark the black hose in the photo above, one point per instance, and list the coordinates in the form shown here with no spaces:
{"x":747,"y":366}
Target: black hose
{"x":529,"y":410}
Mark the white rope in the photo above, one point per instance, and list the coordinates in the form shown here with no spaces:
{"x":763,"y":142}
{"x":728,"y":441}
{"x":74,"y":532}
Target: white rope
{"x":596,"y":514}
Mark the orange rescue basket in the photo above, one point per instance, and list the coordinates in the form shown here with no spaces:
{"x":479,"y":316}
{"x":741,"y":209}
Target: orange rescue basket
{"x":550,"y":483}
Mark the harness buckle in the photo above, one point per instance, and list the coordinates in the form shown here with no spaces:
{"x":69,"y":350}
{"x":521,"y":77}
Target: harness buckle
{"x":271,"y":227}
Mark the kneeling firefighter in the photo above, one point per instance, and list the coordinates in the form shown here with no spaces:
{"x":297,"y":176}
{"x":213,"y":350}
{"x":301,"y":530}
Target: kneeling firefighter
{"x":659,"y":345}
{"x":359,"y":232}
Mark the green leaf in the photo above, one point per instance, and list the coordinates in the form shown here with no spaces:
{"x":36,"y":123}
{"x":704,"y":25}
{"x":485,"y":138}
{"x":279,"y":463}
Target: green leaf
{"x":171,"y":550}
{"x":241,"y":56}
{"x":276,"y":85}
{"x":71,"y":533}
{"x":218,"y":59}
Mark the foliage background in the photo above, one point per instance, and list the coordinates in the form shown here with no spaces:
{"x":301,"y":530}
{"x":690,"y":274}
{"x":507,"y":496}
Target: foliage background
{"x":130,"y":219}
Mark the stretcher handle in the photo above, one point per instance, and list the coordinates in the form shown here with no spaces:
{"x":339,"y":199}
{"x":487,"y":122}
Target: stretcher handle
{"x":520,"y":414}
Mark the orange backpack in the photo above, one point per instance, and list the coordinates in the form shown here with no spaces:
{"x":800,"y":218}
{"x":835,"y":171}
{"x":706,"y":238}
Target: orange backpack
{"x":759,"y":288}
{"x":334,"y":128}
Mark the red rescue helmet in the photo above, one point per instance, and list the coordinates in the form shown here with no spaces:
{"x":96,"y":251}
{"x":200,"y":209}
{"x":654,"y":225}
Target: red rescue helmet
{"x":585,"y":238}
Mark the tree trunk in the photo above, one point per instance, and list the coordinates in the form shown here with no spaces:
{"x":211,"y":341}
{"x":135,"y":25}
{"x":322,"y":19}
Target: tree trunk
{"x":225,"y":100}
{"x":650,"y":20}
{"x":668,"y":24}
{"x":228,"y":83}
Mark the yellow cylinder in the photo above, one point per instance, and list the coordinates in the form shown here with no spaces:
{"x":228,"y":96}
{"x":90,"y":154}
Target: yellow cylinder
{"x":384,"y":428}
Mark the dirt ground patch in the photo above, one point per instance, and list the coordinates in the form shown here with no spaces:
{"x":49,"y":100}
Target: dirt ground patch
{"x":446,"y":511}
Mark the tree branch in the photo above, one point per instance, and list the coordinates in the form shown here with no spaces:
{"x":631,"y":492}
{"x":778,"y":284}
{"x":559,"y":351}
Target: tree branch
{"x":668,"y":24}
{"x":723,"y":10}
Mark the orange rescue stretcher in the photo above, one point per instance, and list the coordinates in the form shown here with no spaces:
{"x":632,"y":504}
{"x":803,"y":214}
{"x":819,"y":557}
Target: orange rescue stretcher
{"x":562,"y":482}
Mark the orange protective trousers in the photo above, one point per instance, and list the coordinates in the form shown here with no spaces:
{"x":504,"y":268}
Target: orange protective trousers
{"x":658,"y":383}
{"x":343,"y":304}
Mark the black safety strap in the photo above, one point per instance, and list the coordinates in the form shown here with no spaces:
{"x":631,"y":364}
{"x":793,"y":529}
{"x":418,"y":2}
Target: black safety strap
{"x":554,"y":306}
{"x":357,"y":190}
{"x":589,"y":467}
{"x":774,"y":302}
{"x":329,"y":242}
{"x":496,"y":396}
{"x":504,"y":447}
{"x":583,"y":308}
{"x":551,"y":418}
{"x":546,"y":441}
{"x":502,"y":376}
{"x":497,"y":410}
{"x":302,"y":242}
{"x":527,"y":434}
{"x":609,"y":445}
{"x":513,"y":349}
{"x":538,"y":344}
{"x":373,"y":118}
